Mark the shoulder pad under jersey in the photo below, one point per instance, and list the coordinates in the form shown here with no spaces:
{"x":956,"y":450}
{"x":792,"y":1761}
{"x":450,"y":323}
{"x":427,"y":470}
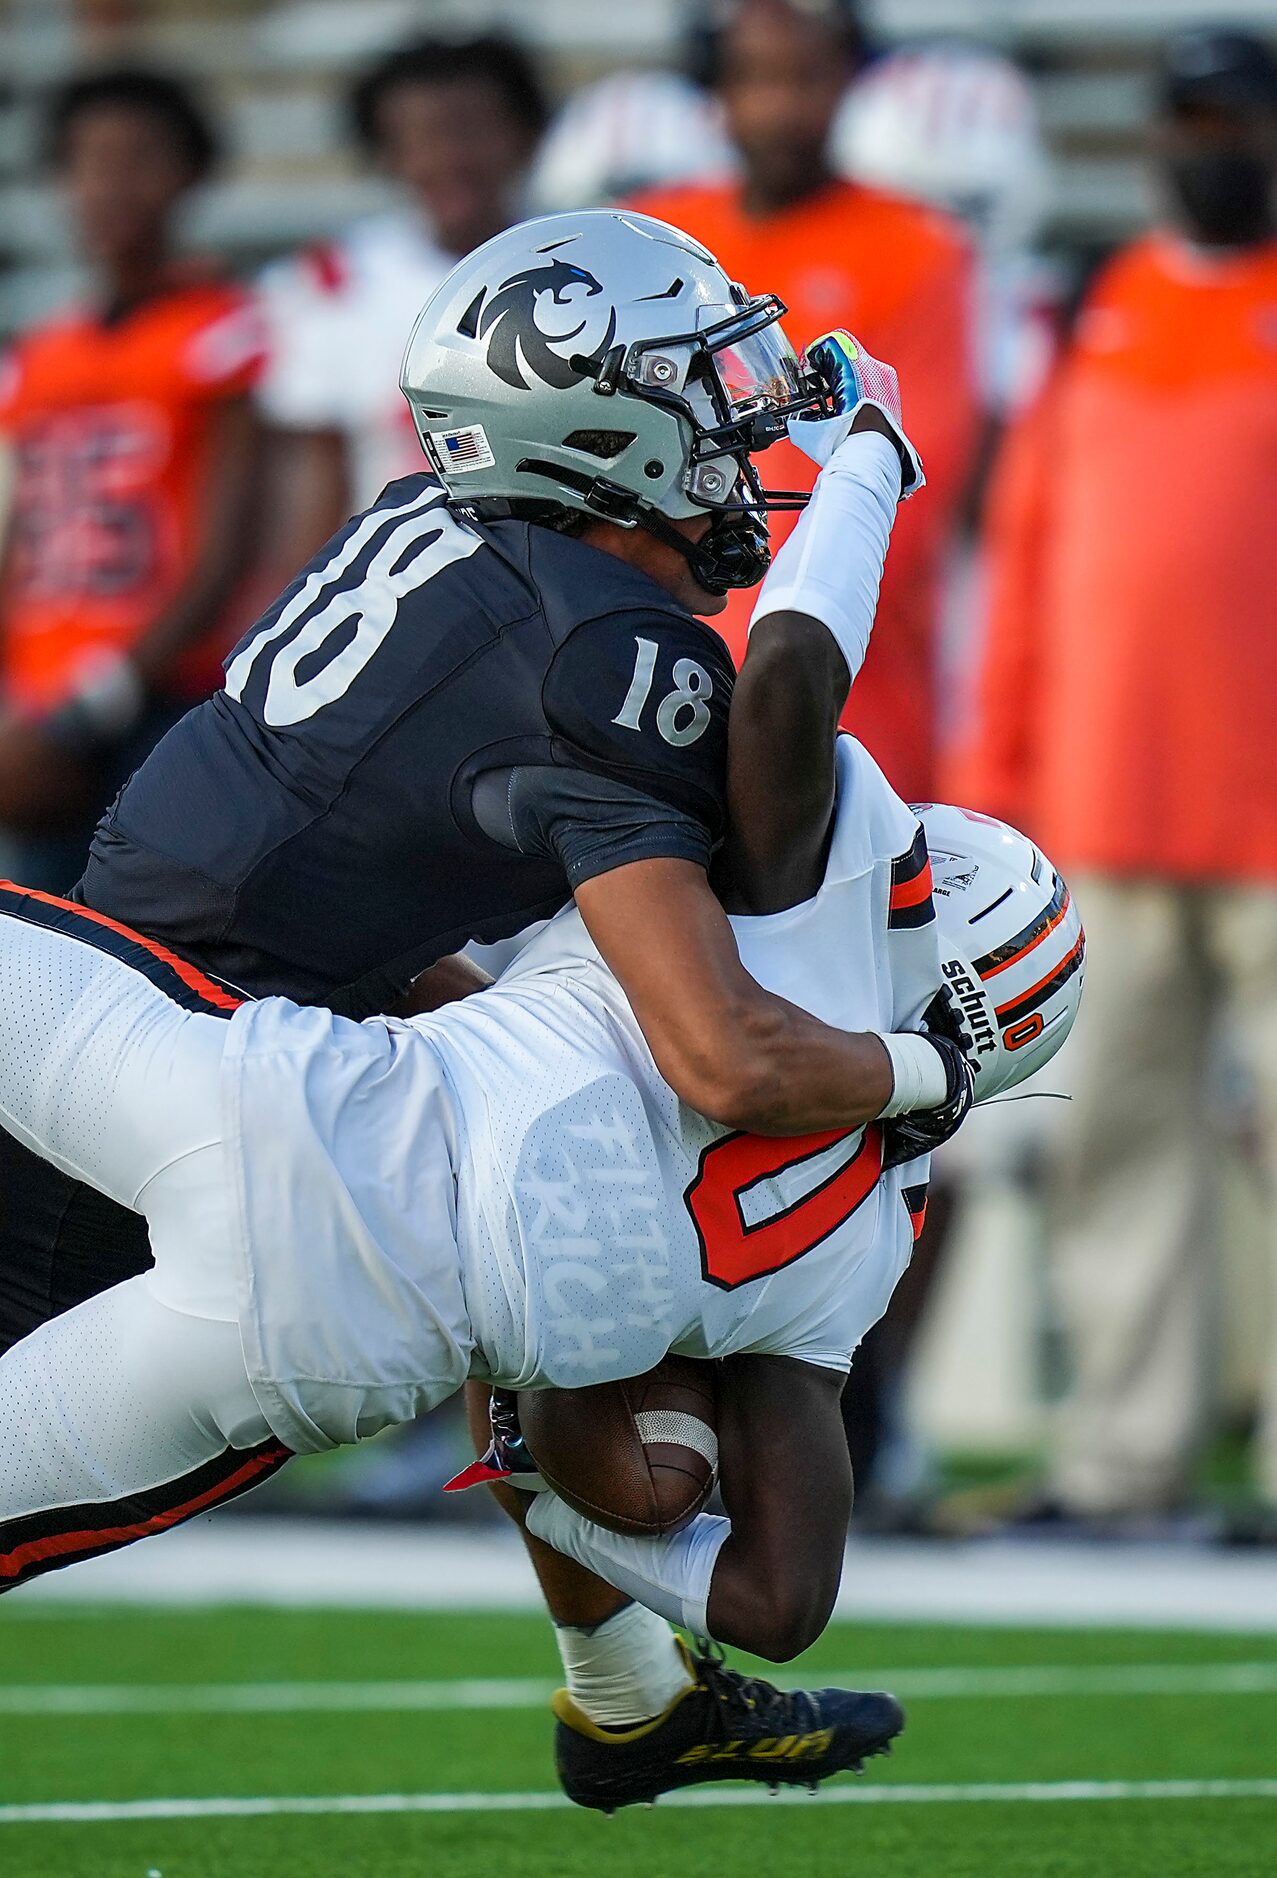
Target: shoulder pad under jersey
{"x":643,"y":695}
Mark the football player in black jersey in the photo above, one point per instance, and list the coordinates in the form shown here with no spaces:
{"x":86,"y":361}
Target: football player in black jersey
{"x":703,"y":1720}
{"x":488,"y":693}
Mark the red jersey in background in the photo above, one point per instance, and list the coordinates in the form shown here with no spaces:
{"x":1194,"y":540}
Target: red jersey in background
{"x":899,"y":277}
{"x":109,"y":424}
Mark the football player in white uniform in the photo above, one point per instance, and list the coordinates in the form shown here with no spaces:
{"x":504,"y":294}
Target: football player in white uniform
{"x":959,"y":127}
{"x":629,"y":131}
{"x":349,"y":1219}
{"x":340,"y":313}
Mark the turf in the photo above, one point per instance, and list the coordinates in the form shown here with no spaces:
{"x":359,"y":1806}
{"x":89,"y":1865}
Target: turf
{"x":958,"y":1739}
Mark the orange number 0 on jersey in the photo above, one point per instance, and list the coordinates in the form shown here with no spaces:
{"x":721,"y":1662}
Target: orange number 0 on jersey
{"x":734,"y":1252}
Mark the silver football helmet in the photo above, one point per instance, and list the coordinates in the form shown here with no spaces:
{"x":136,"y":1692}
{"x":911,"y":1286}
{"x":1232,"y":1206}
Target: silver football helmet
{"x":602,"y":361}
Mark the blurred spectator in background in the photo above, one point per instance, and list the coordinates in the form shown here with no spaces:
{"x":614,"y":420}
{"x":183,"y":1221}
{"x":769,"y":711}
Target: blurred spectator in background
{"x":455,"y":125}
{"x":841,"y":254}
{"x":846,"y":253}
{"x":1123,"y":720}
{"x":132,"y":441}
{"x":630,"y":131}
{"x":958,"y":127}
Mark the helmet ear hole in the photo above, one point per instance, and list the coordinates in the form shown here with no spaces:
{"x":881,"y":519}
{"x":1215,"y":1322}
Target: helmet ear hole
{"x":604,"y":444}
{"x":1028,"y":1030}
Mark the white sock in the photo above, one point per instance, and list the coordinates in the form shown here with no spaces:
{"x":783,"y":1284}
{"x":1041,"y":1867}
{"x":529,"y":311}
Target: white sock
{"x":670,"y":1576}
{"x":625,"y":1670}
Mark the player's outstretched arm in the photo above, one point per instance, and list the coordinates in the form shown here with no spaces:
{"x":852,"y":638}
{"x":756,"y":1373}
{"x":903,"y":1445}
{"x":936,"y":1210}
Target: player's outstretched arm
{"x":727,"y":1047}
{"x":764,"y":1579}
{"x":780,"y":766}
{"x":740,"y":1054}
{"x":809,"y":634}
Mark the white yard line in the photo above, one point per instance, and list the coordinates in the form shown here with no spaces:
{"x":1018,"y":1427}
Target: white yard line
{"x":102,"y":1812}
{"x":281,"y":1698}
{"x":273,"y":1698}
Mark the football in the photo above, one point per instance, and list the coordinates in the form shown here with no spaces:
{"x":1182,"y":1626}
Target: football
{"x":639,"y":1456}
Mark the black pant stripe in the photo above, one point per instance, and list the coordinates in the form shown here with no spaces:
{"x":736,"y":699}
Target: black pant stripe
{"x":62,"y":1535}
{"x":186,"y":985}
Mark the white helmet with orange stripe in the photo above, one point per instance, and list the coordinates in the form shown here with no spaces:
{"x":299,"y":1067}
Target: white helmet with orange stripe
{"x":1012,"y":948}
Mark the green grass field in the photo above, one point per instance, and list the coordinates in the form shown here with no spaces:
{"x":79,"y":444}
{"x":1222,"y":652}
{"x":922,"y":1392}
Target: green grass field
{"x":117,"y":1706}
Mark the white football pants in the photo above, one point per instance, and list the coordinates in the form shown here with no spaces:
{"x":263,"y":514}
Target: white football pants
{"x":133,"y":1411}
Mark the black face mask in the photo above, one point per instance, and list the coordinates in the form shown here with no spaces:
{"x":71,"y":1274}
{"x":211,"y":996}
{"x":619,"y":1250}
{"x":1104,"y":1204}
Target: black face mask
{"x":733,"y":552}
{"x":1225,"y":196}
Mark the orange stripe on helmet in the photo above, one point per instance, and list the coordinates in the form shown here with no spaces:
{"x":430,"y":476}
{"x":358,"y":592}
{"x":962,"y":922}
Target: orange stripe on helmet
{"x":1033,"y":944}
{"x":1020,"y":996}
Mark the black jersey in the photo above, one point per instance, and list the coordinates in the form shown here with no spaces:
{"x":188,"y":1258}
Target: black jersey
{"x":319,"y":827}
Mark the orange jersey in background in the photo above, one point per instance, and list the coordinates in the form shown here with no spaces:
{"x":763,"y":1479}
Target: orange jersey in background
{"x":109,"y":428}
{"x":899,"y":277}
{"x":1124,"y":703}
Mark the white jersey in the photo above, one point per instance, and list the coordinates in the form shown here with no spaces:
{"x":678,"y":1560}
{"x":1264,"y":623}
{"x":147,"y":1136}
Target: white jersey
{"x":510,"y":1182}
{"x":339,"y":317}
{"x":627,"y":132}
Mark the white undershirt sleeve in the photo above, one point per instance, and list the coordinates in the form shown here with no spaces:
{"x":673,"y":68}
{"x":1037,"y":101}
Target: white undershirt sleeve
{"x":831,"y":566}
{"x":670,"y":1576}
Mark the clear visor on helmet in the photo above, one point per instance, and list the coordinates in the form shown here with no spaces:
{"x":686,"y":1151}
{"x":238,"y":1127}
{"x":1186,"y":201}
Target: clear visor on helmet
{"x":760,"y":372}
{"x":738,"y":380}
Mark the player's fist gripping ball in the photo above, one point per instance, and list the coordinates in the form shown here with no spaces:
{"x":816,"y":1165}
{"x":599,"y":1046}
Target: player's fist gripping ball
{"x":639,"y":1456}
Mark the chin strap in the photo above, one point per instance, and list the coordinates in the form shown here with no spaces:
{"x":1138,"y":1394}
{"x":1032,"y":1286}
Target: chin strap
{"x":734,"y":552}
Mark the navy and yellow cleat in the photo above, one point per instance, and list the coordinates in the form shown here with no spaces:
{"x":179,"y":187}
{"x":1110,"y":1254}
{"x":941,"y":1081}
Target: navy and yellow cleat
{"x":726,"y":1726}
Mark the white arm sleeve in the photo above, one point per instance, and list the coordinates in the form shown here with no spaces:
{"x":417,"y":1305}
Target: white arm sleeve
{"x":670,"y":1576}
{"x":831,"y":566}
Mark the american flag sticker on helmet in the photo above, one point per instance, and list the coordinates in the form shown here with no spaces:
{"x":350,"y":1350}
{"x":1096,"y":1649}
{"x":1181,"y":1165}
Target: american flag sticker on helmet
{"x":460,"y":450}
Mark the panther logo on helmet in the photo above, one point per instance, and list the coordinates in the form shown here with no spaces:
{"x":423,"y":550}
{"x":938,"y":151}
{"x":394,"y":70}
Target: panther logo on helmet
{"x":520,"y":318}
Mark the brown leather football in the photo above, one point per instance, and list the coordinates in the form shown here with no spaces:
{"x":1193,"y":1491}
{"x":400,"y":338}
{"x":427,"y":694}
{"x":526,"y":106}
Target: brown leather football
{"x":639,"y":1456}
